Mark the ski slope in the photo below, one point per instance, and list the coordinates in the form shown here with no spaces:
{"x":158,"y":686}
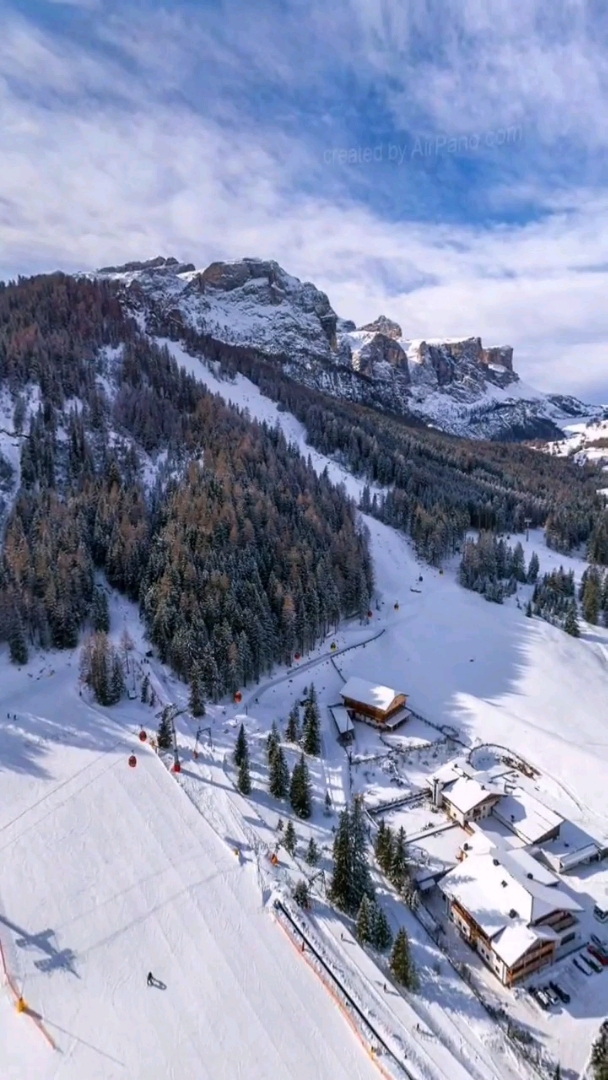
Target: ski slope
{"x":108,"y":872}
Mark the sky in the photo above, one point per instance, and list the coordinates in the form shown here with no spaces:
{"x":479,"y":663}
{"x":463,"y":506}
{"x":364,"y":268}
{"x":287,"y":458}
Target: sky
{"x":441,"y":162}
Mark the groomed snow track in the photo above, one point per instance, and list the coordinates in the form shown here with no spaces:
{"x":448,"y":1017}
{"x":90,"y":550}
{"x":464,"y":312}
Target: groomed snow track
{"x":361,"y":1021}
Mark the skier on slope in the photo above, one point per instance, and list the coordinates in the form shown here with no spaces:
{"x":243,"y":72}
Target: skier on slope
{"x":150,"y":978}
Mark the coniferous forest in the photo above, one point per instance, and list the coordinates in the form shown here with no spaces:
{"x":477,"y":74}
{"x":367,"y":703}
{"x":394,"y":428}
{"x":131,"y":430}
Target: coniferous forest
{"x":238,"y":554}
{"x":440,"y":485}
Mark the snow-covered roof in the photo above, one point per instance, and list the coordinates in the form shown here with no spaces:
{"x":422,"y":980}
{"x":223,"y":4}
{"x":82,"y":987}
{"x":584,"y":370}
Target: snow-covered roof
{"x":497,"y":892}
{"x":526,"y":816}
{"x":342,"y":720}
{"x":367,"y":693}
{"x":514,"y":941}
{"x":465,"y":794}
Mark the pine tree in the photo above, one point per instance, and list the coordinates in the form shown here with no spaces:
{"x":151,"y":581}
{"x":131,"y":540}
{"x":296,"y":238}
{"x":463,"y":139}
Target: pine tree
{"x":241,"y":750}
{"x":272,"y":742}
{"x":591,"y":596}
{"x":196,"y":703}
{"x":327,"y":804}
{"x":399,"y":872}
{"x":244,"y":779}
{"x":117,"y":680}
{"x":312,"y":852}
{"x":361,"y":882}
{"x":339,"y":890}
{"x":301,"y":894}
{"x":100,"y":613}
{"x":518,"y":563}
{"x":292,"y":731}
{"x":571,"y":621}
{"x":364,"y":921}
{"x":164,"y":736}
{"x":278,"y":775}
{"x":311,"y":733}
{"x":280,"y":825}
{"x":17,"y":644}
{"x":145,"y":689}
{"x":401,"y":962}
{"x":290,"y":838}
{"x":300,"y":789}
{"x":529,"y":609}
{"x":381,"y":932}
{"x":533,"y":569}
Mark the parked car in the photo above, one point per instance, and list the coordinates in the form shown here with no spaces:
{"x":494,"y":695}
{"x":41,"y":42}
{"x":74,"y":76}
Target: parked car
{"x":562,"y":994}
{"x":600,"y":913}
{"x":582,"y":967}
{"x":593,"y":964}
{"x":599,"y":944}
{"x":543,"y":999}
{"x":597,"y":955}
{"x":553,"y":998}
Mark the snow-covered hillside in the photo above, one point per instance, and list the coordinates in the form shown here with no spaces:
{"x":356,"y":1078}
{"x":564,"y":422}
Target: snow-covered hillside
{"x":110,"y":872}
{"x":453,"y":384}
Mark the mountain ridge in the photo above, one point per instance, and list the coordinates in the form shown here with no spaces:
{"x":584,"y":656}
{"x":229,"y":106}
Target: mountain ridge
{"x":456,"y":385}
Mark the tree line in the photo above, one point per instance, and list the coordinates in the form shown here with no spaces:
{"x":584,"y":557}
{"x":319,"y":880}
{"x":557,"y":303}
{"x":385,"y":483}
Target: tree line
{"x":238,"y":554}
{"x":441,"y":485}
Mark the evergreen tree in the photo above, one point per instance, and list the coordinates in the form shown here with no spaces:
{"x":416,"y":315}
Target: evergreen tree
{"x":241,"y":750}
{"x":290,"y":838}
{"x":301,"y":894}
{"x":518,"y":563}
{"x":381,"y":932}
{"x":164,"y":736}
{"x":311,"y":733}
{"x":591,"y":596}
{"x":327,"y":804}
{"x":280,"y":825}
{"x":117,"y":680}
{"x":339,"y":890}
{"x":244,"y":779}
{"x":401,"y":962}
{"x":300,"y":789}
{"x":312,"y":852}
{"x":100,"y":612}
{"x":17,"y":644}
{"x":292,"y":731}
{"x":145,"y":689}
{"x":529,"y":609}
{"x":571,"y":621}
{"x":399,"y":872}
{"x":533,"y":569}
{"x":364,"y":921}
{"x":196,"y":703}
{"x":278,"y":775}
{"x":351,"y":879}
{"x":272,"y":742}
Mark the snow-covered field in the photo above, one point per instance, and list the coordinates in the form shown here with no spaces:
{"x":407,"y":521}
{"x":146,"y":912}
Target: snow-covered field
{"x":108,"y":872}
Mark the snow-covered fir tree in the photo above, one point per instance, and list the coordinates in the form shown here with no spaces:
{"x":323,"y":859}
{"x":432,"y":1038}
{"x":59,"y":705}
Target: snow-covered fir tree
{"x":300,"y":794}
{"x":241,"y":749}
{"x":164,"y":735}
{"x":278,"y":774}
{"x":196,"y":702}
{"x":292,"y":731}
{"x":289,"y":838}
{"x":401,"y":963}
{"x":312,"y":852}
{"x":311,"y":730}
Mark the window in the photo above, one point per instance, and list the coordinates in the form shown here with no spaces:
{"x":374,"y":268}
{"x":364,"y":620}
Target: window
{"x":567,"y":938}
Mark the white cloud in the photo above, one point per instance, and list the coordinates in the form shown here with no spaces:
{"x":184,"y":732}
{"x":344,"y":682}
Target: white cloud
{"x":90,"y":182}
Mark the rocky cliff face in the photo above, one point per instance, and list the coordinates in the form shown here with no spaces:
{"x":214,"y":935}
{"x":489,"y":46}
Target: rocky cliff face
{"x":457,"y":384}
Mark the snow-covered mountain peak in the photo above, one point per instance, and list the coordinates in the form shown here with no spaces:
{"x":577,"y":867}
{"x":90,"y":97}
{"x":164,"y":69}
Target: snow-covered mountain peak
{"x":456,"y":384}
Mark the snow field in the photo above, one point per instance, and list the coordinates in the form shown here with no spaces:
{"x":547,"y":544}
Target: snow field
{"x":111,"y":872}
{"x":495,"y":677}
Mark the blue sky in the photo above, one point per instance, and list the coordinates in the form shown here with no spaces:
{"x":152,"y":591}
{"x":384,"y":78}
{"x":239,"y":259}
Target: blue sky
{"x":440,"y":161}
